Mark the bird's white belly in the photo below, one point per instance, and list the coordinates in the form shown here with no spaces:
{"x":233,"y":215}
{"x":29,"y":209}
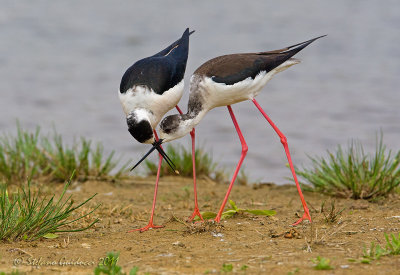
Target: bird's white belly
{"x":220,"y":94}
{"x":156,"y":105}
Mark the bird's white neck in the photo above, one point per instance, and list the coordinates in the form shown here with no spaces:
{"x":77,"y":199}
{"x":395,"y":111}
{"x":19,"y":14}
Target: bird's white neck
{"x":143,"y":114}
{"x":177,"y":126}
{"x":191,"y":120}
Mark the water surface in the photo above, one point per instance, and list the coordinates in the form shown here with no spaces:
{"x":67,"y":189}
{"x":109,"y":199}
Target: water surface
{"x":61,"y":64}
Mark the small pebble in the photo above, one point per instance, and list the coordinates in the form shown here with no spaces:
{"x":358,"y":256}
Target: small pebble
{"x":178,"y":243}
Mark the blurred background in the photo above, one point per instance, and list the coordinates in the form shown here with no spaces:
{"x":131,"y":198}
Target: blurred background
{"x":61,"y":64}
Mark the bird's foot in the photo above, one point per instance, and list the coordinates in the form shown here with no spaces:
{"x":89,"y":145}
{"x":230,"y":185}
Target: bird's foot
{"x":217,"y":218}
{"x":147,"y":227}
{"x":306,"y":215}
{"x":196,"y":213}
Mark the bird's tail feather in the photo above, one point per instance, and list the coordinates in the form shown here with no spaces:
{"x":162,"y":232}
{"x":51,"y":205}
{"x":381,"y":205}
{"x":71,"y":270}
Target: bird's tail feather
{"x":181,"y":41}
{"x":292,"y":50}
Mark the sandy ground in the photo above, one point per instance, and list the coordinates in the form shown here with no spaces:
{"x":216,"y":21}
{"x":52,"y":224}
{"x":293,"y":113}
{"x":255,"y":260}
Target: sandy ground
{"x":251,"y":244}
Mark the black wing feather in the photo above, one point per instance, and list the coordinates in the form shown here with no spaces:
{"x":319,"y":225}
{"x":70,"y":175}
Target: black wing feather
{"x":161,"y":71}
{"x":237,"y":68}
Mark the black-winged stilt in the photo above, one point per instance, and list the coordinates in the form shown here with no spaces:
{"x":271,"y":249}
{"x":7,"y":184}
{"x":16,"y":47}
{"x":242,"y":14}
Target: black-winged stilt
{"x":148,"y":90}
{"x":226,"y":80}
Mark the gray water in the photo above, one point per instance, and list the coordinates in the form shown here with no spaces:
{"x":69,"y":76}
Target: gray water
{"x":61,"y":64}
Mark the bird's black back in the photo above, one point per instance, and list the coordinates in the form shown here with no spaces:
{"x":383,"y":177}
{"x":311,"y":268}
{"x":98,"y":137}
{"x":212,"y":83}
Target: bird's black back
{"x":161,"y":71}
{"x":233,"y":68}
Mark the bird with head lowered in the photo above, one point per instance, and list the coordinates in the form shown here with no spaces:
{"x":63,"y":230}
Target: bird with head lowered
{"x":149,"y":89}
{"x":229,"y":79}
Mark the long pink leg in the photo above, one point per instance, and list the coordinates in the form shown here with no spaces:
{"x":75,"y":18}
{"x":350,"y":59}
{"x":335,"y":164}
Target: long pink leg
{"x":243,"y":155}
{"x":306,"y":214}
{"x":179,"y":109}
{"x":151,"y":225}
{"x":196,"y":211}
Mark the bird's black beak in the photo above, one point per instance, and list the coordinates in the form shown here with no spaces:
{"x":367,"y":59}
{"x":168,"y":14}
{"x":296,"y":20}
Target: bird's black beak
{"x":157,"y":145}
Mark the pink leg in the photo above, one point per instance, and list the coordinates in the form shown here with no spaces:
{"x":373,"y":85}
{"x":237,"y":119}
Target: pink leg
{"x":151,"y":225}
{"x":179,"y":109}
{"x":196,"y":211}
{"x":243,"y":155}
{"x":306,"y":214}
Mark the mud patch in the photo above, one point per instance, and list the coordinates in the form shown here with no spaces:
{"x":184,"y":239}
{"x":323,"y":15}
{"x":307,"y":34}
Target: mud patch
{"x":251,"y":244}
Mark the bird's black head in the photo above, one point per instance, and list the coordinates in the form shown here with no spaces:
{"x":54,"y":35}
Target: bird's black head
{"x":140,"y":129}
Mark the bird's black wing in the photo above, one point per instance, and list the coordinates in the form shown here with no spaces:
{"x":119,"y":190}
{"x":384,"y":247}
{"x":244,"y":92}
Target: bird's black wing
{"x":230,"y":69}
{"x":155,"y":73}
{"x":161,"y":71}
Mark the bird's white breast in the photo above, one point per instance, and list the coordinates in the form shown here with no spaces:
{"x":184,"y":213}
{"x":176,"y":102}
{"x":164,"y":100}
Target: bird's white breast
{"x":141,"y":97}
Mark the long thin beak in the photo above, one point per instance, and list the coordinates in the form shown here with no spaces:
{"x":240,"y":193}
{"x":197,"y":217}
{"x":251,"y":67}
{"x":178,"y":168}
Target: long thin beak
{"x":157,"y":145}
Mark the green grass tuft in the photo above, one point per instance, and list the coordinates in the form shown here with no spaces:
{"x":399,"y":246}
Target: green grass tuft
{"x":332,"y":215}
{"x":24,"y":216}
{"x":30,"y":155}
{"x":354,"y":174}
{"x":182,"y":158}
{"x":375,"y":252}
{"x":109,"y":266}
{"x":393,"y":245}
{"x":322,"y":263}
{"x":295,"y":271}
{"x":235,"y":211}
{"x":205,"y":167}
{"x":14,"y":272}
{"x":227,"y":267}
